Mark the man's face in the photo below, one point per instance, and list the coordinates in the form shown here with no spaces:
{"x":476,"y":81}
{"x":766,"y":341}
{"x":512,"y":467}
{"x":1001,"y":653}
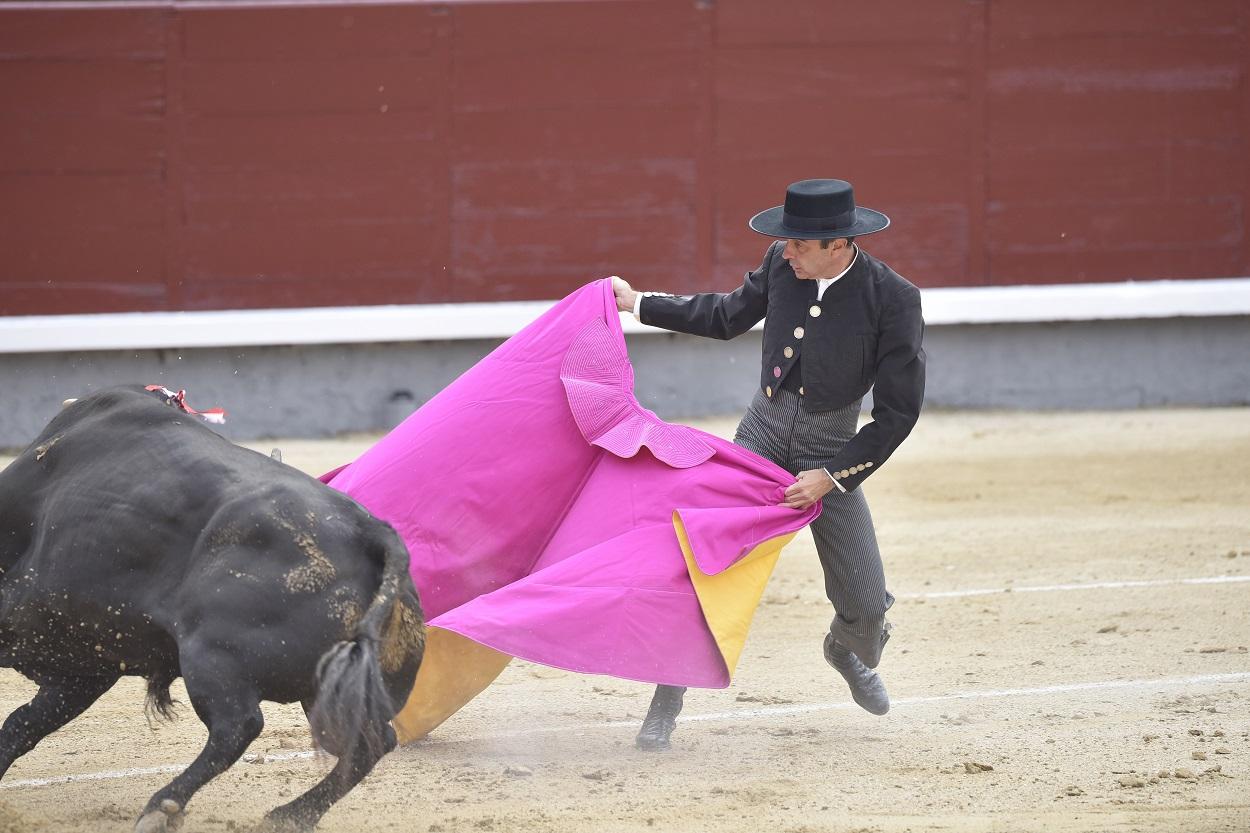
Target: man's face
{"x":810,"y":262}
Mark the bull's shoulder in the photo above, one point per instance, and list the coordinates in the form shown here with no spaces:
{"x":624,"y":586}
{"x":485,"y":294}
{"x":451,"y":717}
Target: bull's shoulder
{"x":122,"y":441}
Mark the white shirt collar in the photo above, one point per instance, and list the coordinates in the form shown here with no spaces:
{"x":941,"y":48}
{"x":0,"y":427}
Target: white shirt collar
{"x":824,"y":283}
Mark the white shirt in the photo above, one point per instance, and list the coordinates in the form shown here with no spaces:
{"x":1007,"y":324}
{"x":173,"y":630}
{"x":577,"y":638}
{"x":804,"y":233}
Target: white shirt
{"x":824,"y":283}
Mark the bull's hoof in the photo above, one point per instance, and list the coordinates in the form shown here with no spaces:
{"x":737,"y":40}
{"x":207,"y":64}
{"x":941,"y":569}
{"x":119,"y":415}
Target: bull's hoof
{"x":164,"y":820}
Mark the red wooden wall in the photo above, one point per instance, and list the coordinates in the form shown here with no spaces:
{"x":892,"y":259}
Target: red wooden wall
{"x":169,"y":156}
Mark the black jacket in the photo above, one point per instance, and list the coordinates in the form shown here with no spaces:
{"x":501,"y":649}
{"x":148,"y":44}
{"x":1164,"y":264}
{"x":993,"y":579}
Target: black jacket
{"x":865,"y":331}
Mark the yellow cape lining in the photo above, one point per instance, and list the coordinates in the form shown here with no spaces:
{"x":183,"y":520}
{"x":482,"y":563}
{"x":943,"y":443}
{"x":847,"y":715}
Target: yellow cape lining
{"x":729,"y":598}
{"x":456,"y":669}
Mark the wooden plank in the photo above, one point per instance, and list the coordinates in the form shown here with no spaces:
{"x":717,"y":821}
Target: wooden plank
{"x":837,"y":23}
{"x":82,"y":34}
{"x":268,"y":33}
{"x":176,"y":161}
{"x":79,"y":239}
{"x":1065,"y":20}
{"x":1114,"y":171}
{"x":81,"y":143}
{"x":288,"y":249}
{"x":95,"y":87}
{"x":1125,"y":117}
{"x":906,"y":127}
{"x":576,"y":29}
{"x":776,"y":78}
{"x":978,"y":265}
{"x":705,"y":155}
{"x":121,"y":255}
{"x":1197,"y":262}
{"x":925,"y":244}
{"x":1244,"y":266}
{"x":747,"y":184}
{"x":624,"y":132}
{"x":590,"y":188}
{"x":244,"y":198}
{"x":311,"y":86}
{"x":280,"y":292}
{"x":1146,"y":225}
{"x":1166,"y":65}
{"x":298,"y":141}
{"x":69,"y":202}
{"x":565,"y":79}
{"x":509,"y":255}
{"x":67,"y":297}
{"x":529,"y":281}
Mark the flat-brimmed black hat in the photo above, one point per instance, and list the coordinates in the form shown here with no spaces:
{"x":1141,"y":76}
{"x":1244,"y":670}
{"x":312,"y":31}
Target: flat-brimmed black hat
{"x":819,"y":209}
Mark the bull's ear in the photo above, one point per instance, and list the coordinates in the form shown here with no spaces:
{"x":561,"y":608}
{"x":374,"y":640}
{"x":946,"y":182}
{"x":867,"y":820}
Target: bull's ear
{"x":68,"y":402}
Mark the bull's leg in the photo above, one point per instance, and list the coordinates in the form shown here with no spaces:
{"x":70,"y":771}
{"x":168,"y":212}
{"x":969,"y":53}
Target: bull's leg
{"x":230,"y":707}
{"x":304,"y":812}
{"x":55,"y":704}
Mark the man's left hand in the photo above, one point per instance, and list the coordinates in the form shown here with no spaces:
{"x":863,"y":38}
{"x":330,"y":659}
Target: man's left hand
{"x":811,"y":486}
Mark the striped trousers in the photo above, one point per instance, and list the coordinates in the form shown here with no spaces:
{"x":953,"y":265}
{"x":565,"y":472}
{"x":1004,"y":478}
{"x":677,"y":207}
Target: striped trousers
{"x":778,"y":429}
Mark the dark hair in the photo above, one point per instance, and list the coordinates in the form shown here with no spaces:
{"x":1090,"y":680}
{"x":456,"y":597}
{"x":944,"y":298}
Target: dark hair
{"x":824,"y":244}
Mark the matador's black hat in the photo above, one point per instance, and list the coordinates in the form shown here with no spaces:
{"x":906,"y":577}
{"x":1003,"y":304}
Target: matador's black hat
{"x":819,"y":209}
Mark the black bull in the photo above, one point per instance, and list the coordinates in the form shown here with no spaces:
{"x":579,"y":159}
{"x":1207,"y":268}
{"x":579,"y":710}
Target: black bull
{"x":136,"y":541}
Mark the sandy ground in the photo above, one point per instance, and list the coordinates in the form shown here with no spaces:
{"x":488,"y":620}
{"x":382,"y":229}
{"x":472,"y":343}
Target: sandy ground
{"x":1091,"y":686}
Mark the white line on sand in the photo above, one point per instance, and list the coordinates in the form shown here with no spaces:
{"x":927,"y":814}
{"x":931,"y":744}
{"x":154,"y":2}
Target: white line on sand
{"x":1098,"y":585}
{"x":738,"y":714}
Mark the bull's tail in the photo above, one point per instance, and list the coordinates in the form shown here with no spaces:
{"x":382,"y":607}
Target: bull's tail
{"x":160,"y":705}
{"x":363,"y":682}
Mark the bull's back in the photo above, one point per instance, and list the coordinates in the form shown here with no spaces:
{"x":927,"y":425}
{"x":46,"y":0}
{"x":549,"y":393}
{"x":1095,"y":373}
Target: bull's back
{"x":117,"y":483}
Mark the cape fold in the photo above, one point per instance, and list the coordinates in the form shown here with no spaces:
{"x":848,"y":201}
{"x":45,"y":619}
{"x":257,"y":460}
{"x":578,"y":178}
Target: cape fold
{"x":551,"y":517}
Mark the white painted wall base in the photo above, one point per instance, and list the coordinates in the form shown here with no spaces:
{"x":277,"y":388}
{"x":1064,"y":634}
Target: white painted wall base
{"x":461,"y":322}
{"x":323,"y":389}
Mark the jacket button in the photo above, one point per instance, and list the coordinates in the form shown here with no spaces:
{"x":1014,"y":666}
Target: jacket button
{"x":814,"y":312}
{"x":801,"y":390}
{"x":798,"y":332}
{"x":776,"y":372}
{"x":769,"y":391}
{"x":788,"y":352}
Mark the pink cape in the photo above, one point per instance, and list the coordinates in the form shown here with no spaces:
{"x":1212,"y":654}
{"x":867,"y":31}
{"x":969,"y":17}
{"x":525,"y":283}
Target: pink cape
{"x":551,"y":517}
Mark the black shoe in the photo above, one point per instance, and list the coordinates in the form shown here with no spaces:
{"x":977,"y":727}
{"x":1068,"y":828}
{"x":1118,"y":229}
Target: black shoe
{"x":866,"y":687}
{"x":661,"y":719}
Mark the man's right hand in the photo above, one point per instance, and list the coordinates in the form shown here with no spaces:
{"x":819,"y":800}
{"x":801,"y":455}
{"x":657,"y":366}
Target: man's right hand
{"x":625,"y":294}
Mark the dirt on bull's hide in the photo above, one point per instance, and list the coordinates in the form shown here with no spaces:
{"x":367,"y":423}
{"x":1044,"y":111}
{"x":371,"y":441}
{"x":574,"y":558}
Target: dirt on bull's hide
{"x":345,"y":609}
{"x":403,"y":636}
{"x":317,"y":574}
